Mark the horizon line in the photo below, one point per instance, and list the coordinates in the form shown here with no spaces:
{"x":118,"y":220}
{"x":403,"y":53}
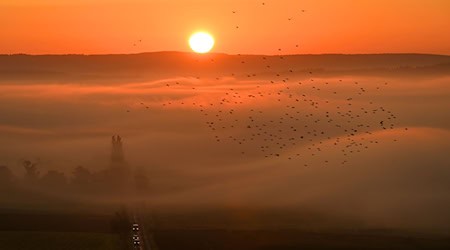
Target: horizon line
{"x":218,"y":53}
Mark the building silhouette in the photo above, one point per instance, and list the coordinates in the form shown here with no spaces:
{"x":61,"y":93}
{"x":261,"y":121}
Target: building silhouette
{"x":117,"y":157}
{"x":118,"y":175}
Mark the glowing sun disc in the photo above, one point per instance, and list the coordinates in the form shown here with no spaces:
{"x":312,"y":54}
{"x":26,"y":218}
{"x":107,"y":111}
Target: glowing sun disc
{"x":201,"y":42}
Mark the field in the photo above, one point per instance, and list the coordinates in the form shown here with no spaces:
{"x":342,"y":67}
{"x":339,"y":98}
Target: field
{"x":281,"y":230}
{"x":291,"y":239}
{"x":56,"y":230}
{"x":37,"y":240}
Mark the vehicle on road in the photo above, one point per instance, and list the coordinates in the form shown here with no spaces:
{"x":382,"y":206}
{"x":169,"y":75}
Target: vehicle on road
{"x":135,"y":227}
{"x":136,"y":243}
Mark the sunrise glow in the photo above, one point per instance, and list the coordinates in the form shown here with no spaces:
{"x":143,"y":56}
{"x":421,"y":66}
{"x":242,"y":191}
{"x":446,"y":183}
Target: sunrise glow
{"x":201,"y":42}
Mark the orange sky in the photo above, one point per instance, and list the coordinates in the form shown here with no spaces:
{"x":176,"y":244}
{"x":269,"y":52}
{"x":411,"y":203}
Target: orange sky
{"x":327,"y":26}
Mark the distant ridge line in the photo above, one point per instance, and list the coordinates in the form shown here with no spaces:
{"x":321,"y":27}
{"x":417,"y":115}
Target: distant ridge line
{"x":226,"y":54}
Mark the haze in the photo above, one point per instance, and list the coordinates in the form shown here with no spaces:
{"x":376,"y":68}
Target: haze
{"x":310,"y":125}
{"x":326,"y":26}
{"x":165,"y":116}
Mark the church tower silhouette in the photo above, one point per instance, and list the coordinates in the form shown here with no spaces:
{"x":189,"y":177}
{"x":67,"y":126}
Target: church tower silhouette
{"x":118,"y":175}
{"x":117,"y":156}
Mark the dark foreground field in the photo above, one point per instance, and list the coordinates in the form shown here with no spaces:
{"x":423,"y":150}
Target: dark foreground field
{"x":42,"y":240}
{"x":292,"y":239}
{"x":282,"y":230}
{"x":58,"y":231}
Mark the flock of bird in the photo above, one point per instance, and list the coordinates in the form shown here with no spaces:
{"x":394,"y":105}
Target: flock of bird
{"x":274,"y":117}
{"x":288,"y":114}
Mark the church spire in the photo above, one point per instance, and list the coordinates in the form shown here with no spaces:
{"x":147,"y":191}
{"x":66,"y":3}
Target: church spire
{"x":117,"y":150}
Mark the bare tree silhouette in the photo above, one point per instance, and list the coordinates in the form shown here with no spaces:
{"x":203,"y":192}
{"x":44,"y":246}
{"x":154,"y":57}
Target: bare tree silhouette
{"x":82,"y":179}
{"x":54,"y":179}
{"x":31,"y":172}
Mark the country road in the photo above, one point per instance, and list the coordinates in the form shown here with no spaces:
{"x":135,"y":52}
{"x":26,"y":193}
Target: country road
{"x":145,"y":235}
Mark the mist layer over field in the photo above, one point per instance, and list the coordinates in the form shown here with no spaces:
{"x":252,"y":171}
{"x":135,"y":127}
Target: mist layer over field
{"x":364,"y":138}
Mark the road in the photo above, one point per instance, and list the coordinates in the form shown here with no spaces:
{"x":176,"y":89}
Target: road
{"x":145,"y":235}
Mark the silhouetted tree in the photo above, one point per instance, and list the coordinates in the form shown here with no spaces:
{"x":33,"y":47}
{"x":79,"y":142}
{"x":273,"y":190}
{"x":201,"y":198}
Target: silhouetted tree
{"x":82,"y":176}
{"x":54,"y":179}
{"x":31,"y":172}
{"x":115,"y":179}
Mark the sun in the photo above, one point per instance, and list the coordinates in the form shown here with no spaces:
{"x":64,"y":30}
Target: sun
{"x":201,"y":42}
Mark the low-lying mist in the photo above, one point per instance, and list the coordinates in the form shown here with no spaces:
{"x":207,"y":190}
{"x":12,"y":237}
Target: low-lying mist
{"x":367,"y":149}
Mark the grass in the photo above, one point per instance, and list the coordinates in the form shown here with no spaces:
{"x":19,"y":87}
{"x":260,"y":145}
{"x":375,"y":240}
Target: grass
{"x":290,"y":240}
{"x":55,"y":222}
{"x":39,"y":240}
